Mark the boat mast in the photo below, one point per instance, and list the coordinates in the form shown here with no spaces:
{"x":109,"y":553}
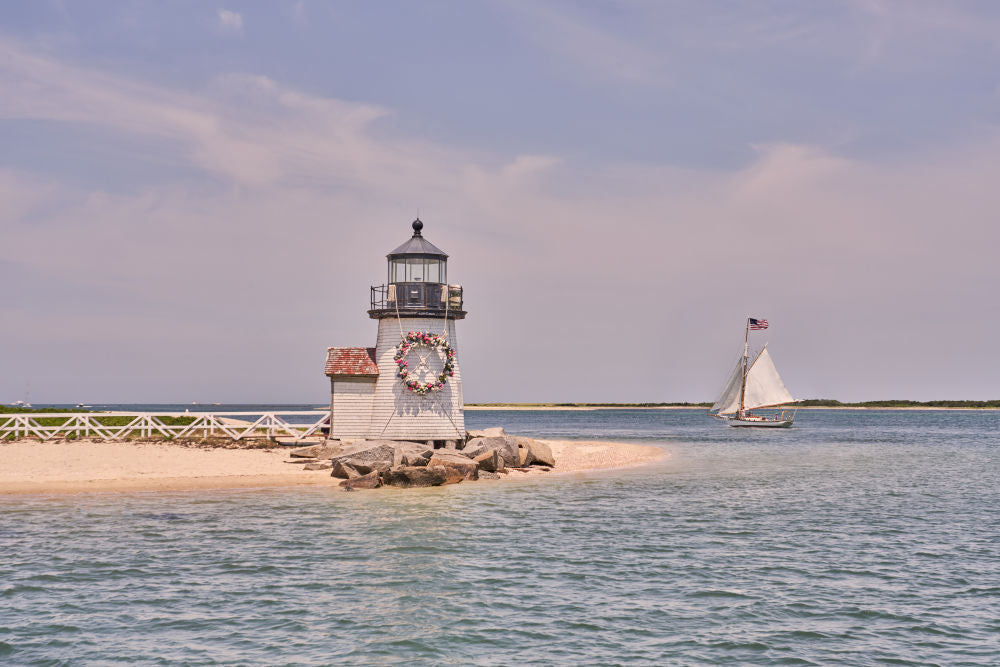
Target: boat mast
{"x":746,"y":353}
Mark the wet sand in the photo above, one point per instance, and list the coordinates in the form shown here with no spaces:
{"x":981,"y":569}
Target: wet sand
{"x":28,"y":466}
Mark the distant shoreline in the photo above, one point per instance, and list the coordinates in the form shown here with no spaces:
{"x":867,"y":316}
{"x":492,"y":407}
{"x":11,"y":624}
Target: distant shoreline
{"x":809,"y":404}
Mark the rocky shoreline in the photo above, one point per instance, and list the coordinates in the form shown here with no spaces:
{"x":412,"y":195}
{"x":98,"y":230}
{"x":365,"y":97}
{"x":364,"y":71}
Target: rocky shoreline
{"x":370,"y":464}
{"x":73,"y":466}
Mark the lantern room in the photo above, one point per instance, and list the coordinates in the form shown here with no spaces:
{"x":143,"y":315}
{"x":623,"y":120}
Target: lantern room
{"x":417,"y":282}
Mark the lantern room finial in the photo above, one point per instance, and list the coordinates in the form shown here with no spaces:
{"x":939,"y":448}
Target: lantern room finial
{"x":417,"y":226}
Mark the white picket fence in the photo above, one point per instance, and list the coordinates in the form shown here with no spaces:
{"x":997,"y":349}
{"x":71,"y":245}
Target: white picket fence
{"x":235,"y":425}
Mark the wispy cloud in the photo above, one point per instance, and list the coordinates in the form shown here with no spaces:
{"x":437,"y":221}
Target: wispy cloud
{"x":595,"y":50}
{"x":655,"y":44}
{"x":305,"y":195}
{"x":250,"y":131}
{"x":230,"y":21}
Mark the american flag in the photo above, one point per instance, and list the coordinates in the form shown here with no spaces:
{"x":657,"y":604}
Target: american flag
{"x":757,"y":325}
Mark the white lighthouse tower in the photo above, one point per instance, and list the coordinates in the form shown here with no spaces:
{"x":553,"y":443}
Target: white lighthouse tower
{"x":409,"y":386}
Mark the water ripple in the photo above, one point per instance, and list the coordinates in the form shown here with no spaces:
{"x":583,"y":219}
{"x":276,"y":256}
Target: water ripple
{"x":868,"y":540}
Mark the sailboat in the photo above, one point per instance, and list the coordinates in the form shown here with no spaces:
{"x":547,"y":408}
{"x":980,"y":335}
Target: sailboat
{"x":752,"y":385}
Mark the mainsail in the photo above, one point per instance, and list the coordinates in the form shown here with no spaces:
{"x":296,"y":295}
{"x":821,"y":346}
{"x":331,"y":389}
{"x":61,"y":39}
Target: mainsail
{"x":764,"y":387}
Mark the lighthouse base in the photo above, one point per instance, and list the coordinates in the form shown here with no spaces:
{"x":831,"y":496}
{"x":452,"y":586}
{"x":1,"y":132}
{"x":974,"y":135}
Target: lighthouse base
{"x":379,"y":406}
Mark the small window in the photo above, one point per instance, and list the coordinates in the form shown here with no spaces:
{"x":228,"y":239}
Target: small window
{"x":433,"y":271}
{"x":415,"y":270}
{"x":397,"y":271}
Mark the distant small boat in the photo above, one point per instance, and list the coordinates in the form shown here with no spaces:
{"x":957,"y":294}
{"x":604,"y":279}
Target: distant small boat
{"x":752,"y":385}
{"x":22,"y":404}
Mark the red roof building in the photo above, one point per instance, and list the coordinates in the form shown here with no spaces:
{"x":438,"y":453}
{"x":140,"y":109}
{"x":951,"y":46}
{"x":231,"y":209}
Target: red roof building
{"x":351,"y":362}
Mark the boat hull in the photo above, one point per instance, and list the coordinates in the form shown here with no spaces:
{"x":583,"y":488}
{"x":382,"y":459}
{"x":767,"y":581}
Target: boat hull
{"x":759,"y":423}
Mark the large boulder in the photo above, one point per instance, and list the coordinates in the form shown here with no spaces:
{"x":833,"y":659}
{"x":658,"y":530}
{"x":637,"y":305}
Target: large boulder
{"x":343,"y":469}
{"x":541,"y":453}
{"x":477,"y":446}
{"x":533,"y":452}
{"x":321,"y":451}
{"x":456,"y":461}
{"x":494,"y":432}
{"x":412,"y":476}
{"x":411,"y":454}
{"x":365,"y":467}
{"x":508,"y":449}
{"x":468,"y":447}
{"x":524,"y":456}
{"x":369,"y":481}
{"x":368,"y":450}
{"x":410,"y":459}
{"x":490,"y":461}
{"x":516,"y":452}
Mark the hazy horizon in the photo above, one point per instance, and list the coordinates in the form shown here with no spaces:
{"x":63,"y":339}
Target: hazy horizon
{"x":195,"y":198}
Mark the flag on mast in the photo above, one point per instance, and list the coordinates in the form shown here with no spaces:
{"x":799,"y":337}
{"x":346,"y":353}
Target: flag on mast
{"x":757,"y":325}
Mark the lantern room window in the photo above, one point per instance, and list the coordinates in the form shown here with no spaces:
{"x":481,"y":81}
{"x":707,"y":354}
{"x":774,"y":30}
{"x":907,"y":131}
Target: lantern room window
{"x":433,"y":271}
{"x":417,"y":270}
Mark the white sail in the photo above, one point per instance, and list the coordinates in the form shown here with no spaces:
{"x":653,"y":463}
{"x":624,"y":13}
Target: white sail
{"x":764,"y":385}
{"x":729,"y":400}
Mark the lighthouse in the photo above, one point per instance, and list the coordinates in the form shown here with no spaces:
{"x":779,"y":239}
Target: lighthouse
{"x":409,"y":386}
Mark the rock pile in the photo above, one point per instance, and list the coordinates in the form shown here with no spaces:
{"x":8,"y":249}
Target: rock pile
{"x":369,"y":464}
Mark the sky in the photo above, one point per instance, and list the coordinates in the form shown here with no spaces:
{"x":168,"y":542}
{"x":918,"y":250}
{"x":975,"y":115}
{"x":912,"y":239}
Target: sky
{"x":195,"y":198}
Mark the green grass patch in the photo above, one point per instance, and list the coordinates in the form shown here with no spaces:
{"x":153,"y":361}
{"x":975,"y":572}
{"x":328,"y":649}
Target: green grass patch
{"x":13,"y":410}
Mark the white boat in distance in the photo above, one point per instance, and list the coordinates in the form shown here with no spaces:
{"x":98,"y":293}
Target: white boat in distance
{"x":752,"y":385}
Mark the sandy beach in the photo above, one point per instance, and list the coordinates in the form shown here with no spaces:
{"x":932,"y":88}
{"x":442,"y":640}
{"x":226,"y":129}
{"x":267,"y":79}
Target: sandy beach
{"x":28,"y":466}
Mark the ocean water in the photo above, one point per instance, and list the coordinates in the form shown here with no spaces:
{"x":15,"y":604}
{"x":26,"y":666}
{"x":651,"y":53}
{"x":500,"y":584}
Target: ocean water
{"x":855,"y":538}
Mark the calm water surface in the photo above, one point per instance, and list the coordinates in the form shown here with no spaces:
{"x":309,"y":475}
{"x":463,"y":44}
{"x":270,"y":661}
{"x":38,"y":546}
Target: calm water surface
{"x":856,"y":538}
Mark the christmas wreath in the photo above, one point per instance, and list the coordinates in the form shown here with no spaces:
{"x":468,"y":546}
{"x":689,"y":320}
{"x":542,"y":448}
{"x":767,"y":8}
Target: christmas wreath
{"x":434,"y":341}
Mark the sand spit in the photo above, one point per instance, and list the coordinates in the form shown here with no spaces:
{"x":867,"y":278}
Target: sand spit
{"x":32,"y":467}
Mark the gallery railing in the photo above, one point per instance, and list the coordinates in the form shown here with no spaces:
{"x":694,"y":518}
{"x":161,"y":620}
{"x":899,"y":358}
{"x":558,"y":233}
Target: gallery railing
{"x":434,"y":297}
{"x":297,"y":425}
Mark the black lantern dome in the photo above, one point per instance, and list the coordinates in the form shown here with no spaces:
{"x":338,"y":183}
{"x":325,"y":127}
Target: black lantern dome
{"x":417,"y":282}
{"x":417,"y":246}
